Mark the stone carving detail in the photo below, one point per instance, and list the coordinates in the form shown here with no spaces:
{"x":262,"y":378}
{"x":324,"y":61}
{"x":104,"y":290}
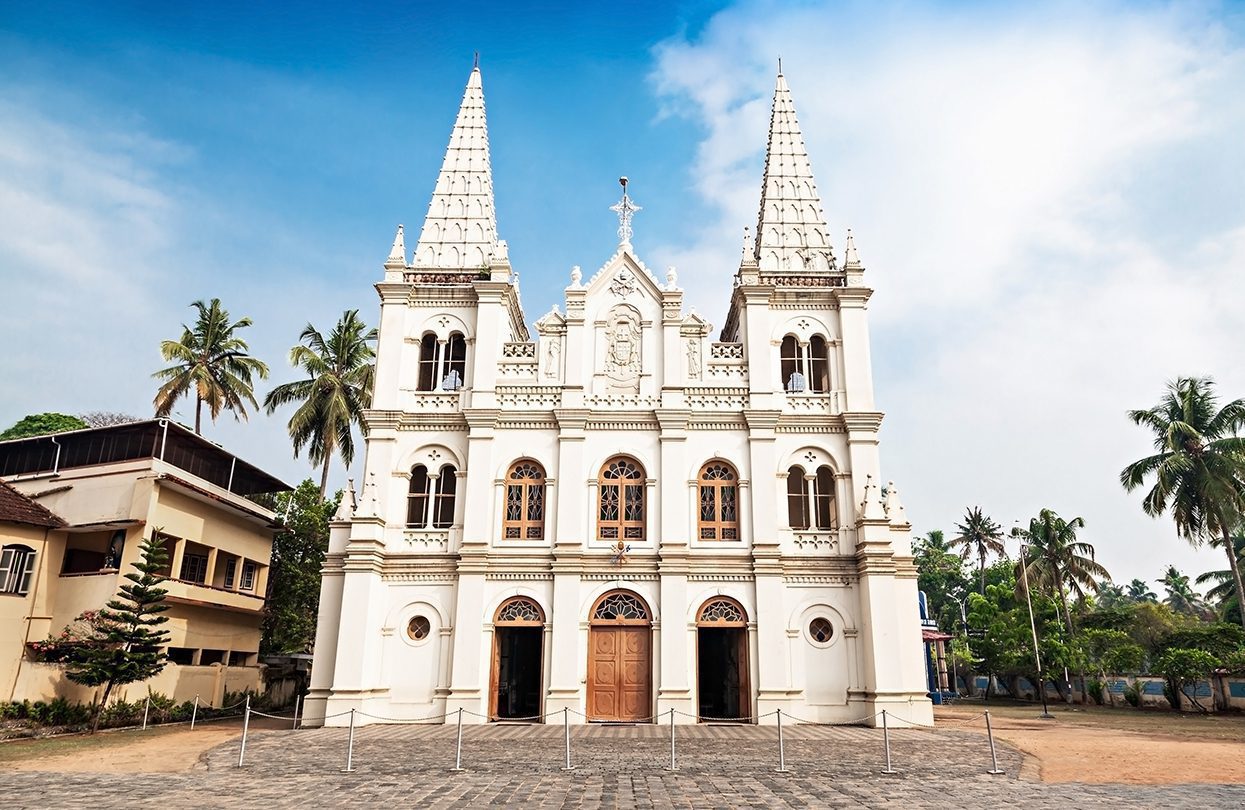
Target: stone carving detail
{"x":553,"y":355}
{"x":622,"y":350}
{"x":518,"y":350}
{"x":693,"y":359}
{"x":529,"y":396}
{"x":816,"y":541}
{"x":726,"y":351}
{"x":623,"y":283}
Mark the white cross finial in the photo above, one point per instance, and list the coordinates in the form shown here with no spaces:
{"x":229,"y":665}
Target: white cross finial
{"x":625,"y":209}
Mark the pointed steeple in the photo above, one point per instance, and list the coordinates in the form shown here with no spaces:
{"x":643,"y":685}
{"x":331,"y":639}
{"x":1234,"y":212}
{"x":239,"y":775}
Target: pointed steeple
{"x":397,"y":253}
{"x":460,"y":231}
{"x":791,"y":227}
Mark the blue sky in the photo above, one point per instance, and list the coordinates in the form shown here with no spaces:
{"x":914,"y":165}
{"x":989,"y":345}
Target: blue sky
{"x":1047,"y":198}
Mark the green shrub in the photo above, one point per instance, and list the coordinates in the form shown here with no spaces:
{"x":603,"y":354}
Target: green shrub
{"x":1132,"y":694}
{"x":1095,"y":689}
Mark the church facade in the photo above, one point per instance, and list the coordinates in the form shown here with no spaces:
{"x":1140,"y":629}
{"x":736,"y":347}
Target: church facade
{"x":618,"y":512}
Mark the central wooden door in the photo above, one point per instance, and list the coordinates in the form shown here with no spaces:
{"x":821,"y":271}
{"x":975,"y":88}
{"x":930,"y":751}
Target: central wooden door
{"x":620,"y":660}
{"x":618,"y":683}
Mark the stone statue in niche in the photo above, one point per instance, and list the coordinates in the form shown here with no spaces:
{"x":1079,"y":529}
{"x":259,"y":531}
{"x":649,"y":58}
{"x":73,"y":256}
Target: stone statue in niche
{"x":552,"y":355}
{"x":622,"y":350}
{"x":693,"y":359}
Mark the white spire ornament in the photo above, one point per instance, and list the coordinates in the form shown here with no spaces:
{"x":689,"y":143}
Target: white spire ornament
{"x":397,"y":253}
{"x":625,"y":209}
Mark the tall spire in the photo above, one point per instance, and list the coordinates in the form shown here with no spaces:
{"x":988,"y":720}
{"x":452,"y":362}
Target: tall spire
{"x":460,"y":231}
{"x":791,"y":228}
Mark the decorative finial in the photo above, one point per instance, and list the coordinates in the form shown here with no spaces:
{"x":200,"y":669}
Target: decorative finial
{"x":625,"y":209}
{"x":475,"y":65}
{"x":851,"y":260}
{"x":577,"y":275}
{"x":748,"y":247}
{"x":397,"y":253}
{"x":780,"y":66}
{"x":672,"y":278}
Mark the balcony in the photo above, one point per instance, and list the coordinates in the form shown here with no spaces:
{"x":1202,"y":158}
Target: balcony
{"x":430,"y":401}
{"x":193,"y":593}
{"x":828,"y":403}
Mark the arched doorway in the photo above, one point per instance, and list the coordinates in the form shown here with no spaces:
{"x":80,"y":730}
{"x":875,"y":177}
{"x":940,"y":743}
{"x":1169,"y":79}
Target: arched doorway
{"x":722,"y":660}
{"x":518,"y":660}
{"x":620,"y":662}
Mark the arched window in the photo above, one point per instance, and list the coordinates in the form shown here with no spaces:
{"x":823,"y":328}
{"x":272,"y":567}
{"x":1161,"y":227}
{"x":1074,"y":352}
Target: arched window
{"x":427,"y":363}
{"x":417,"y":498}
{"x":443,"y":509}
{"x":819,"y":365}
{"x":719,"y":502}
{"x":797,"y":498}
{"x":17,"y":567}
{"x":722,"y":611}
{"x":620,"y":513}
{"x":442,"y":363}
{"x":521,"y":611}
{"x":525,"y":502}
{"x":823,"y":497}
{"x":454,"y":367}
{"x":621,"y":607}
{"x":792,"y":365}
{"x":805,"y":367}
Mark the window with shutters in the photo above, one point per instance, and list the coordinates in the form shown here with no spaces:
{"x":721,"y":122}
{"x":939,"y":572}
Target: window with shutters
{"x":719,"y":502}
{"x":620,"y":506}
{"x":17,"y":568}
{"x":524,"y":516}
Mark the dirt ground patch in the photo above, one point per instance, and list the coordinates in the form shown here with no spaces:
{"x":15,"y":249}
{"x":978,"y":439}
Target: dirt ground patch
{"x":1117,"y":746}
{"x":156,"y":750}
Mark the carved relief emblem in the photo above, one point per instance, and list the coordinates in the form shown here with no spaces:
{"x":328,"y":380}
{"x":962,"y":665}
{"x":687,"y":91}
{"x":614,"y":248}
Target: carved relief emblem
{"x":622,"y":350}
{"x":623,"y":283}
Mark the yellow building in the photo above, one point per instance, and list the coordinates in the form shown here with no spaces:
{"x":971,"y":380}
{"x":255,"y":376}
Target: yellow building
{"x":79,"y":505}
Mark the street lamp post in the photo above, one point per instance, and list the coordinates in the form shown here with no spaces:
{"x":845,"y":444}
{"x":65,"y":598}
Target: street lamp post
{"x":1037,"y":656}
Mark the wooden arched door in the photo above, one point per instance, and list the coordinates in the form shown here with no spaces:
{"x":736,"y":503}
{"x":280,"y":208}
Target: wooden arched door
{"x":722,"y":690}
{"x":620,"y":661}
{"x":515,"y":688}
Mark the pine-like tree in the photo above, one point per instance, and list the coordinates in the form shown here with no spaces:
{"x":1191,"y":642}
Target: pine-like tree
{"x":127,"y":646}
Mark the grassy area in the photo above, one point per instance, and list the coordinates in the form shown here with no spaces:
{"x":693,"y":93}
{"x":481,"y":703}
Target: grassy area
{"x":1228,"y":727}
{"x":77,"y":744}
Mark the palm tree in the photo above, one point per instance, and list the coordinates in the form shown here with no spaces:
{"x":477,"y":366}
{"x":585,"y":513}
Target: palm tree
{"x":1056,"y":561}
{"x":1110,"y":594}
{"x":340,"y":371}
{"x":211,"y":360}
{"x":979,"y":535}
{"x":1181,"y":597}
{"x":1139,"y":591}
{"x":1223,"y":593}
{"x":1199,"y":469}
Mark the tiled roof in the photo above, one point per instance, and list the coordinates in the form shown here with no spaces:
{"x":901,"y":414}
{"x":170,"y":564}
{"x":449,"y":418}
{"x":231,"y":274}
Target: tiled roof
{"x":17,"y":508}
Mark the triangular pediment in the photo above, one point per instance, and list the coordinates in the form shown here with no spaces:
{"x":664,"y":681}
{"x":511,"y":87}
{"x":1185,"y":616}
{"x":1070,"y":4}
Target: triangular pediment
{"x":624,"y":276}
{"x":551,"y":321}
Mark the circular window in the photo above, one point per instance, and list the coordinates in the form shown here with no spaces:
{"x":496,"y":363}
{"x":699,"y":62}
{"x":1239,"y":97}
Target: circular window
{"x":820,"y":631}
{"x":418,"y":628}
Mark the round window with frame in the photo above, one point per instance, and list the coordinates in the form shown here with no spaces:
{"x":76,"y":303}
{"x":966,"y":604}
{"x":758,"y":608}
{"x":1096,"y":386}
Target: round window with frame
{"x":820,"y":632}
{"x":418,"y":628}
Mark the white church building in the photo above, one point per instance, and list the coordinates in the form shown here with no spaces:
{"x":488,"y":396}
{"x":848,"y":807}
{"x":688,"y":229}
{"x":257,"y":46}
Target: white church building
{"x":620,"y":514}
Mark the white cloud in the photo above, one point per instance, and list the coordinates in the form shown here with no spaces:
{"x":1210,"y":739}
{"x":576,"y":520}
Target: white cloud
{"x":1013,"y":180}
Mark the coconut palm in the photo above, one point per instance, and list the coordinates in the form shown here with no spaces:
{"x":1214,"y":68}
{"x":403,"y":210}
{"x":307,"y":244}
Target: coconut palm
{"x":1139,"y":591}
{"x":211,"y":360}
{"x":1223,"y":592}
{"x":1199,"y":469}
{"x":1055,"y":561}
{"x":340,"y":371}
{"x":1181,"y":597}
{"x":980,"y":536}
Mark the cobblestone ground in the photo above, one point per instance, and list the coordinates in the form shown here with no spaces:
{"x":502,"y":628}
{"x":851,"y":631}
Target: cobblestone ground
{"x":520,"y":766}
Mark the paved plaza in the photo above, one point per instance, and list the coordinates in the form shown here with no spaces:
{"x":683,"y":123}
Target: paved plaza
{"x":520,"y":766}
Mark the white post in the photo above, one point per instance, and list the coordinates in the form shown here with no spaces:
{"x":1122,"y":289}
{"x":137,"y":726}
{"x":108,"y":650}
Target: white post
{"x":458,"y":754}
{"x":994,"y":757}
{"x":782,"y":754}
{"x":298,"y":703}
{"x":194,"y":713}
{"x":246,"y":724}
{"x":350,"y":747}
{"x":146,"y":706}
{"x":672,"y":767}
{"x":886,"y":741}
{"x":566,"y":725}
